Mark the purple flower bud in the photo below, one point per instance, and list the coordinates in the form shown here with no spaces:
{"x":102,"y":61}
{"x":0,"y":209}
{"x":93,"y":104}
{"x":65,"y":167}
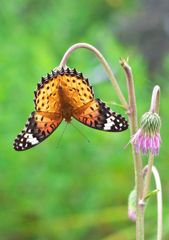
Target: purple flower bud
{"x":132,"y":206}
{"x":148,"y":136}
{"x":132,"y":215}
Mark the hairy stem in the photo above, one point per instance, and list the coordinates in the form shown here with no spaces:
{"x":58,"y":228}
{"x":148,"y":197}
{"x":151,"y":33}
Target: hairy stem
{"x":137,"y":156}
{"x":104,"y":63}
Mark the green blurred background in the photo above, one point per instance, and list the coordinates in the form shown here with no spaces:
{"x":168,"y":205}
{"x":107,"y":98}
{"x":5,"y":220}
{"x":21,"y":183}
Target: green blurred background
{"x":79,"y":190}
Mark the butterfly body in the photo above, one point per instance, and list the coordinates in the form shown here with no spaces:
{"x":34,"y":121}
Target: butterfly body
{"x":64,"y":94}
{"x":66,"y":108}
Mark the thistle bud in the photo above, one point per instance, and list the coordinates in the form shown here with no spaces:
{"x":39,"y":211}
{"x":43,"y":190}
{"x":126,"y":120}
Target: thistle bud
{"x":148,"y":136}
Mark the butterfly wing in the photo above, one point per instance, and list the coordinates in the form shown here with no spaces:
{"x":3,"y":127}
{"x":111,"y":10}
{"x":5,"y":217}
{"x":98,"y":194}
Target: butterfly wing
{"x":39,"y":126}
{"x":99,"y":116}
{"x":76,"y":99}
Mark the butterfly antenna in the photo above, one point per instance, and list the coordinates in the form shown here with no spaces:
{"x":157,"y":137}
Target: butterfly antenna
{"x":80,"y":132}
{"x":61,"y":135}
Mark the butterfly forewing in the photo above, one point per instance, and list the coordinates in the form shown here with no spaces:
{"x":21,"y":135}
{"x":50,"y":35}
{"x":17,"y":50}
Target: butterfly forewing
{"x":62,"y":94}
{"x":99,"y":116}
{"x":38,"y":127}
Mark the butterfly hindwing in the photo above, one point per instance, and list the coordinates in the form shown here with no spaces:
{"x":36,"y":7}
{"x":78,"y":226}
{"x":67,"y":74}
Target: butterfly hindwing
{"x":39,"y":126}
{"x":99,"y":116}
{"x":64,"y":94}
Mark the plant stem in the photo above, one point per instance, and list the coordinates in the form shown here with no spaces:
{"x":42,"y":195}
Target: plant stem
{"x":155,"y":103}
{"x":137,"y":156}
{"x":159,"y":200}
{"x":155,"y":100}
{"x":159,"y":203}
{"x":148,"y":175}
{"x":104,"y":63}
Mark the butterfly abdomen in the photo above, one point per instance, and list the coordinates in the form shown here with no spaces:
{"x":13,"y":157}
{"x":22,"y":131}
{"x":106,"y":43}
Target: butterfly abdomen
{"x":65,"y":105}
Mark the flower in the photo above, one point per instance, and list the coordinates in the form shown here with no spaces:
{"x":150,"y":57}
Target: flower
{"x":148,"y":136}
{"x":132,"y":215}
{"x":132,"y":206}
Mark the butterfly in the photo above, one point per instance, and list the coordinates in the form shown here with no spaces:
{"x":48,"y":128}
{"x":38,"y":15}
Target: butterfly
{"x":64,"y":94}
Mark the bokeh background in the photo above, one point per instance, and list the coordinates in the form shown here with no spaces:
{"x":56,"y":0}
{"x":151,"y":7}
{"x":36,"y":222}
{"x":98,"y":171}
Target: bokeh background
{"x":79,"y":190}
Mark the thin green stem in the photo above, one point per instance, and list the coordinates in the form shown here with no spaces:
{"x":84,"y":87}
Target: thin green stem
{"x":148,"y":175}
{"x":104,"y":63}
{"x":159,"y":203}
{"x":159,"y":200}
{"x":137,"y":156}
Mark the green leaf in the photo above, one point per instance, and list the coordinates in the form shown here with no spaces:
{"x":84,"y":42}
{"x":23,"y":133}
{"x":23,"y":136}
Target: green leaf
{"x":152,"y":193}
{"x":116,"y":104}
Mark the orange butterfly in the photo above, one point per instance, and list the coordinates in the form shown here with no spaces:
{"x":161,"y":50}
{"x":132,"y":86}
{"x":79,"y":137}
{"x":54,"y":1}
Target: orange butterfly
{"x":62,"y":94}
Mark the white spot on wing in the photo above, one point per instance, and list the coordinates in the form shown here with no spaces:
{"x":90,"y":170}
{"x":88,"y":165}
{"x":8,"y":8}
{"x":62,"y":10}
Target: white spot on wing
{"x":110,"y":123}
{"x":31,"y":139}
{"x":110,"y":119}
{"x":27,"y":135}
{"x":107,"y":128}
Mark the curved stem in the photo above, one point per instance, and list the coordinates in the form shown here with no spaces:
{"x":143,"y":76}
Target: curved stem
{"x":159,"y":203}
{"x":104,"y":63}
{"x":159,"y":200}
{"x":155,"y":100}
{"x":137,"y":156}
